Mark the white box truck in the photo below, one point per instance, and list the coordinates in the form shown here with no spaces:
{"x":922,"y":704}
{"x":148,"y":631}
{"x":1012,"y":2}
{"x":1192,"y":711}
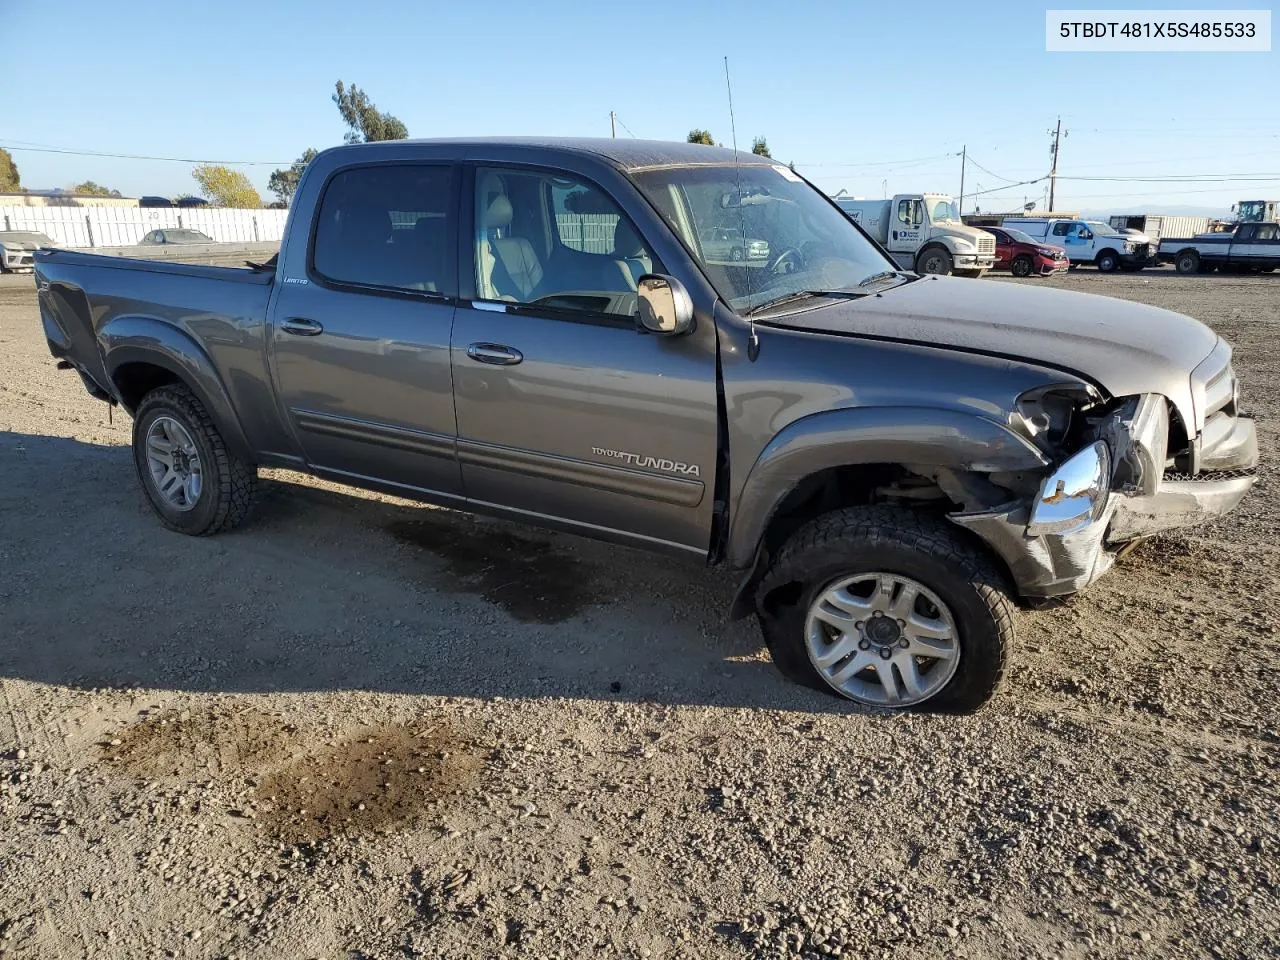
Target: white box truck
{"x":923,"y":232}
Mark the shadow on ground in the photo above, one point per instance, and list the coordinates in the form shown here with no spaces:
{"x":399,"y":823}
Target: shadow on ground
{"x":325,"y":589}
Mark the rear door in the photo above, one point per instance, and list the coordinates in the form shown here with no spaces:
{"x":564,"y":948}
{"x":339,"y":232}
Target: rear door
{"x":361,"y":343}
{"x":566,"y":414}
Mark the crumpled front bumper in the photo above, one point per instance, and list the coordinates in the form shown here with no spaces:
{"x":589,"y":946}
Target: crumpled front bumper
{"x":1052,"y":565}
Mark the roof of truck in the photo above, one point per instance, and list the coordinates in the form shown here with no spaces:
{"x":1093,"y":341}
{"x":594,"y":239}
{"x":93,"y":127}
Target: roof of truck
{"x":629,"y":154}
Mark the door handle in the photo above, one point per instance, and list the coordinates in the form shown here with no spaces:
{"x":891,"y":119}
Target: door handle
{"x":301,"y":326}
{"x":496,"y":353}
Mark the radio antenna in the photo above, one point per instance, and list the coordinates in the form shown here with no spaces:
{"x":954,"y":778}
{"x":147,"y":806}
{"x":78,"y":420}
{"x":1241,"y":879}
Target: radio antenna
{"x":753,"y":341}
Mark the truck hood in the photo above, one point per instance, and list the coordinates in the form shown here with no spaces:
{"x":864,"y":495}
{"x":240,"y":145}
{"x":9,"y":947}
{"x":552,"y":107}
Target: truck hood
{"x":957,"y":229}
{"x":1125,"y":348}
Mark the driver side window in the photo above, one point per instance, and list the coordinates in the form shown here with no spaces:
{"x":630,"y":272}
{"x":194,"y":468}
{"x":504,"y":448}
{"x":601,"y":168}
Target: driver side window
{"x":555,"y":241}
{"x":1061,"y":229}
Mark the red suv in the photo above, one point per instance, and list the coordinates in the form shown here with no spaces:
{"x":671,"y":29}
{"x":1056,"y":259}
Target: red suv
{"x":1024,"y":256}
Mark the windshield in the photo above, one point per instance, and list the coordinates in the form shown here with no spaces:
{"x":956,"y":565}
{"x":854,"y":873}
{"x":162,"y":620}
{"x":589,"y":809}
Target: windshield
{"x":760,"y":232}
{"x":942,"y":210}
{"x":25,"y":236}
{"x":1102,"y":229}
{"x":1017,"y":236}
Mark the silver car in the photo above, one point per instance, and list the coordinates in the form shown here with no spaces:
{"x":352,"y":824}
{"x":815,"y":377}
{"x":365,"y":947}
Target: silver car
{"x":156,"y":237}
{"x":727,"y":243}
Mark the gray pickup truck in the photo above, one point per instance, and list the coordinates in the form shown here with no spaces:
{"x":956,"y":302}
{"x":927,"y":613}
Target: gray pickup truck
{"x":1249,"y":246}
{"x":531,"y":329}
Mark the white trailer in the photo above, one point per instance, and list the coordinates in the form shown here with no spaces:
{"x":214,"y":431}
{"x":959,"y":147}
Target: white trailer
{"x":923,"y":232}
{"x":1157,"y":225}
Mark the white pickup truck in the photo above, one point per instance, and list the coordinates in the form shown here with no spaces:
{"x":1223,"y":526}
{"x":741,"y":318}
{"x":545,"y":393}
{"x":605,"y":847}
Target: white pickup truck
{"x":1250,"y":246}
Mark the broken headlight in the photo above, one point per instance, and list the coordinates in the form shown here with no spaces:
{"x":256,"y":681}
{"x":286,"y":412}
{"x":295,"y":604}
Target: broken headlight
{"x":1052,"y":416}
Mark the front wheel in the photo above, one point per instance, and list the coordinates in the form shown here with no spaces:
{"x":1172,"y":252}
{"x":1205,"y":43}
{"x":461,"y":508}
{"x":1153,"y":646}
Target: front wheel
{"x":890,"y":608}
{"x":935,"y":260}
{"x":735,"y":253}
{"x":1021,"y":266}
{"x":195,"y":484}
{"x":1108,"y":262}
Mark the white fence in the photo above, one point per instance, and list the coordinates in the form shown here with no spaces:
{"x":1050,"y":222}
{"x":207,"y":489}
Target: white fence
{"x":124,"y":226}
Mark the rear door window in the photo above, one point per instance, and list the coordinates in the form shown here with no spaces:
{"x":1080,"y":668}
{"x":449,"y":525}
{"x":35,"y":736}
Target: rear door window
{"x":388,"y":226}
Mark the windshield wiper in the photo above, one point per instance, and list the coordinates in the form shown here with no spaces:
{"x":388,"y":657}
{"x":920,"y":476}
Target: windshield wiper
{"x":803,"y":295}
{"x":882,"y":275}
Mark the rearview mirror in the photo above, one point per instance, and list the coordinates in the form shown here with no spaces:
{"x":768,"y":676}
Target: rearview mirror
{"x":663,"y":305}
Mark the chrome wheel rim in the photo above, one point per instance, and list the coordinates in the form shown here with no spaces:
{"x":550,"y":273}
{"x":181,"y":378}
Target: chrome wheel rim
{"x":882,"y":639}
{"x":174,"y":463}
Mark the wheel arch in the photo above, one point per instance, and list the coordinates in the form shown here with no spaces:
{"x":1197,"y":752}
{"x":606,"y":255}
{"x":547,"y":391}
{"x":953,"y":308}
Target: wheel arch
{"x":842,"y":458}
{"x":142,"y":353}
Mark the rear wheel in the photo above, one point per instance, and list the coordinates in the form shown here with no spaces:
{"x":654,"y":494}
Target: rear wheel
{"x":194,"y":483}
{"x":1021,"y":266}
{"x":889,"y":608}
{"x":935,"y":260}
{"x":1188,"y":262}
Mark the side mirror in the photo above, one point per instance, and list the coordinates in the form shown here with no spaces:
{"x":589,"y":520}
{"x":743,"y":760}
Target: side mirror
{"x":663,"y":305}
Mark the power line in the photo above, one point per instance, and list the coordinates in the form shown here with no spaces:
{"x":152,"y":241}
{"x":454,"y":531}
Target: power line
{"x":881,"y":163}
{"x":985,"y":170}
{"x":624,"y":126}
{"x":11,"y":145}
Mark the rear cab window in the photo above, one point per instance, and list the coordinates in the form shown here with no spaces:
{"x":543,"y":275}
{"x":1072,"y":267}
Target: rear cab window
{"x":388,"y":227}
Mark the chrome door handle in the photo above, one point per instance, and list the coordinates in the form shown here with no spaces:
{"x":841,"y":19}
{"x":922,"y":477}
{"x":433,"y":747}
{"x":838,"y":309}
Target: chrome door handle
{"x":496,"y":353}
{"x":301,"y":326}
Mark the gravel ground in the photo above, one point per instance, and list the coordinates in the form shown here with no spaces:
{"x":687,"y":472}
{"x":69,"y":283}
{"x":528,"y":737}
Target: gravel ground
{"x":358,"y":727}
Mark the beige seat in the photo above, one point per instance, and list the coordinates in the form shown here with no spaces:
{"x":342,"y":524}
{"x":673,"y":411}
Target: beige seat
{"x":509,"y":266}
{"x":632,"y":256}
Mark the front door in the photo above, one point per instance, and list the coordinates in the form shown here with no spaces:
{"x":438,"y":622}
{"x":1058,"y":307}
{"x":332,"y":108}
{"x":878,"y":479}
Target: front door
{"x":566,"y":414}
{"x":906,"y":228}
{"x":361,"y":345}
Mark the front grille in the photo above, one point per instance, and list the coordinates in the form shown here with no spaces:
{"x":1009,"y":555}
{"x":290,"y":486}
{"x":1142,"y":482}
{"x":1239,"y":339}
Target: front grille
{"x":987,"y":246}
{"x":1143,"y":250}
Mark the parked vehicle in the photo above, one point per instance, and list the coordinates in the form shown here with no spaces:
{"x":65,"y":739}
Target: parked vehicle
{"x":1025,"y":257}
{"x":1090,"y":241}
{"x":154,"y":202}
{"x":174,"y":235}
{"x":922,"y":231}
{"x":886,"y":458}
{"x":1256,"y":211}
{"x":726,"y":243}
{"x":18,"y":248}
{"x":1154,"y":226}
{"x":191,"y":202}
{"x":1250,"y":246}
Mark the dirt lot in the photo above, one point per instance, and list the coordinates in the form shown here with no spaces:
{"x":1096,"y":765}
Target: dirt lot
{"x":357,"y":727}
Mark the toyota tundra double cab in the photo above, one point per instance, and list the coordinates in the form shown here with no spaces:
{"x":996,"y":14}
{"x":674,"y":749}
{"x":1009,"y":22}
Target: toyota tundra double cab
{"x":533,"y":329}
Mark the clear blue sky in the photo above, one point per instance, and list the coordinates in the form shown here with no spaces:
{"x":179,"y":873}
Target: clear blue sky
{"x":849,"y":91}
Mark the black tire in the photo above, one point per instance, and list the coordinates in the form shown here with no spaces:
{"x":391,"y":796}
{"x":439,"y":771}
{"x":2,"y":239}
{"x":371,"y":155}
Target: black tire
{"x":1188,"y":261}
{"x":735,"y":253}
{"x":934,"y":260}
{"x":229,"y":482}
{"x":897,"y":541}
{"x":1108,"y":261}
{"x":1021,"y":266}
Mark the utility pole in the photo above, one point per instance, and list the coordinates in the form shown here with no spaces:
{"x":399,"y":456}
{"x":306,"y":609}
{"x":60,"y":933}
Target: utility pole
{"x":1053,"y":172}
{"x":964,"y":150}
{"x":613,"y":124}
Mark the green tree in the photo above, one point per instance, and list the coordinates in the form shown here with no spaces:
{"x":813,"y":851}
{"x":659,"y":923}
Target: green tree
{"x":226,"y":187}
{"x":91,"y":189}
{"x":700,"y":136}
{"x":760,"y":147}
{"x":366,"y":122}
{"x":284,"y":183}
{"x":10,"y":181}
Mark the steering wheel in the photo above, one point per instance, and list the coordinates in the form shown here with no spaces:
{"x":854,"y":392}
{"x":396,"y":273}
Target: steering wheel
{"x":788,"y":261}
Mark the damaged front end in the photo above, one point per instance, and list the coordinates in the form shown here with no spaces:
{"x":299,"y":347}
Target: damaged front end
{"x":1126,"y":481}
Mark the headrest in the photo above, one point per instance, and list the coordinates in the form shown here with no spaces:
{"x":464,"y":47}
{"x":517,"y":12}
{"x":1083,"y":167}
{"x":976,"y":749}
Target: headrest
{"x":499,"y":213}
{"x":626,"y":242}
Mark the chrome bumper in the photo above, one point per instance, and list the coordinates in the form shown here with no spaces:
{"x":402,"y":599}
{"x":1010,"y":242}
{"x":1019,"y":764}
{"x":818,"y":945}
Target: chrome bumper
{"x":1051,"y":565}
